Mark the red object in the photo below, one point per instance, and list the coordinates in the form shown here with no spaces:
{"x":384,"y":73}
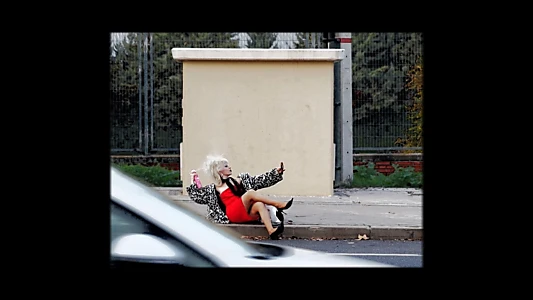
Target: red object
{"x":235,"y":209}
{"x":345,"y":40}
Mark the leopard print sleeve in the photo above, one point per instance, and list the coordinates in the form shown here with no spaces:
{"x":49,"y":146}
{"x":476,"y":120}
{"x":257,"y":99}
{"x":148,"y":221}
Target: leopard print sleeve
{"x":199,"y":195}
{"x":261,"y":181}
{"x":207,"y":195}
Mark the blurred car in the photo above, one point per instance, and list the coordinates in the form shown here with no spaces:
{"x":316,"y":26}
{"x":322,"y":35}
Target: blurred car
{"x":150,"y":232}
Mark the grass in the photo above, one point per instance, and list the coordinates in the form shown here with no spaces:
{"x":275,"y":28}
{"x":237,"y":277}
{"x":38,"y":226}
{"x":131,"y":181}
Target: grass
{"x":152,"y":175}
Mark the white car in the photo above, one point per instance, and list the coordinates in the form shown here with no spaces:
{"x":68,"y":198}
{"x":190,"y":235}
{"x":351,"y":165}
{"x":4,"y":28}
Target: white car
{"x":150,"y":231}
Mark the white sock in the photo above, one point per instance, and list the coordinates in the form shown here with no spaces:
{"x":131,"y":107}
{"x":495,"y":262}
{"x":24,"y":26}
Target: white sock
{"x":272,"y":210}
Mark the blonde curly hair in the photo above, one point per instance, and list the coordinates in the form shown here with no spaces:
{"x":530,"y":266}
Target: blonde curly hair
{"x":213,"y":164}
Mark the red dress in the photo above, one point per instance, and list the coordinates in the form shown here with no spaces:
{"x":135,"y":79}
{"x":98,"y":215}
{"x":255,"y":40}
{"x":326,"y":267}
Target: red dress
{"x":235,"y":209}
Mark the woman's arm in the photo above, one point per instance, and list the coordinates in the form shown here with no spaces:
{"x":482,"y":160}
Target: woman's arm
{"x":196,"y":191}
{"x":262,"y":181}
{"x":199,"y":195}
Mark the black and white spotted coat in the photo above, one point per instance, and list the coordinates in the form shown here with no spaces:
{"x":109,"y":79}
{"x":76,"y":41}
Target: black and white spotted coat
{"x":207,"y":194}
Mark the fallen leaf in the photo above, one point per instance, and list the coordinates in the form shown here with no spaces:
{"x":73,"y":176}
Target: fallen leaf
{"x":362,"y":237}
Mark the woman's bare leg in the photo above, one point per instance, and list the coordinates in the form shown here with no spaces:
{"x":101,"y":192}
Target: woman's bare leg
{"x":252,"y":196}
{"x":258,"y":207}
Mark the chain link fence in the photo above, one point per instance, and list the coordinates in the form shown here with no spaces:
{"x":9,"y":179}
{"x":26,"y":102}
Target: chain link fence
{"x":146,"y":85}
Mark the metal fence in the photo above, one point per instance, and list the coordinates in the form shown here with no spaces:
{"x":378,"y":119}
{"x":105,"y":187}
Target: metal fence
{"x":146,"y":85}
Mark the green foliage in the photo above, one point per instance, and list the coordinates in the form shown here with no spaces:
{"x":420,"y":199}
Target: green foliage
{"x":152,"y":175}
{"x":385,"y":109}
{"x":149,"y":56}
{"x":263,"y":40}
{"x":124,"y":92}
{"x":168,"y":81}
{"x":364,"y":176}
{"x":415,"y":83}
{"x":381,"y":63}
{"x":367,"y":176}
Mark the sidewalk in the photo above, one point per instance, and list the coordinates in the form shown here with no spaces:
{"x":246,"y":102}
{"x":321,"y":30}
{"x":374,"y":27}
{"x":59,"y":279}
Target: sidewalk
{"x":386,"y":214}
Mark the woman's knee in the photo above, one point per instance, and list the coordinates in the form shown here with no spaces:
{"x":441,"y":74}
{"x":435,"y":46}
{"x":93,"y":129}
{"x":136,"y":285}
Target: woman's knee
{"x":258,"y":206}
{"x":249,"y":194}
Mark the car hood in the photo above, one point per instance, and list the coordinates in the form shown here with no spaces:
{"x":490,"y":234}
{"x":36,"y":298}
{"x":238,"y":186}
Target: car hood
{"x":297,"y":257}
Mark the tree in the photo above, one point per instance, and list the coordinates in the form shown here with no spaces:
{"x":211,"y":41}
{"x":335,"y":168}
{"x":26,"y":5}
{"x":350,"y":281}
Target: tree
{"x":168,"y":84}
{"x":124,"y":93}
{"x":263,"y":40}
{"x":164,"y":85}
{"x":381,"y":62}
{"x":308,"y":40}
{"x":416,"y":84}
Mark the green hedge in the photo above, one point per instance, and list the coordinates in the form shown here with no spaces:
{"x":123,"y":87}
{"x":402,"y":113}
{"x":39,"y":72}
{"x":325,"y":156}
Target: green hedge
{"x":152,"y":175}
{"x":367,"y":176}
{"x":364,"y":176}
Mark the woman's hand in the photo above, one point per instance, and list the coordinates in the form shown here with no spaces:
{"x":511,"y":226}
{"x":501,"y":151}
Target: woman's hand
{"x":193,"y":173}
{"x":281,"y":168}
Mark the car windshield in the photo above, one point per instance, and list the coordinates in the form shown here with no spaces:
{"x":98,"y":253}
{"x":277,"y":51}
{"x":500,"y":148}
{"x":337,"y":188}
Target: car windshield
{"x":141,"y":198}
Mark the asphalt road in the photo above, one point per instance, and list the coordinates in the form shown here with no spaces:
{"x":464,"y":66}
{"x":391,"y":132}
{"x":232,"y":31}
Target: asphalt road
{"x":406,"y":254}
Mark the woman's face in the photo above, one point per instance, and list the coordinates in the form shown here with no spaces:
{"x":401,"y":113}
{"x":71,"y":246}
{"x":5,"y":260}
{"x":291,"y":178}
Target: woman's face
{"x":225,"y":170}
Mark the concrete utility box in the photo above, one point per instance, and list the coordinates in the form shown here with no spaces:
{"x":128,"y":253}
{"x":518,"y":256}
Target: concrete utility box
{"x":258,"y":107}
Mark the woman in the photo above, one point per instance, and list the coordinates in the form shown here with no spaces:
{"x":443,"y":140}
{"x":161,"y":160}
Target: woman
{"x":236,"y":200}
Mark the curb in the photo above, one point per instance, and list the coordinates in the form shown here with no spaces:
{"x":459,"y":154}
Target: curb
{"x":315,"y":231}
{"x":329,"y":232}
